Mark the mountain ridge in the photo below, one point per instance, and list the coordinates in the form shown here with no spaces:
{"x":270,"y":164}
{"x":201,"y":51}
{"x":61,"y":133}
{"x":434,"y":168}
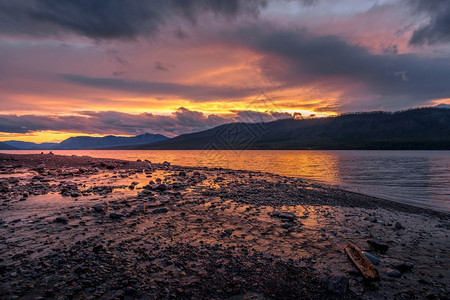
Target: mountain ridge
{"x":5,"y":146}
{"x":87,"y":142}
{"x":415,"y":129}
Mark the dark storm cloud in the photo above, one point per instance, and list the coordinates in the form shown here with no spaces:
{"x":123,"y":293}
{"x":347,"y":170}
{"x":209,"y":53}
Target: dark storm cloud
{"x":181,"y":121}
{"x":294,"y":57}
{"x":192,"y":92}
{"x":101,"y":19}
{"x":437,"y":30}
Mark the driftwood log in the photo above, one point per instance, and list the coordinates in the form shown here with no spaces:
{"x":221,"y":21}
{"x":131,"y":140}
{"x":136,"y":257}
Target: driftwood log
{"x":361,"y":262}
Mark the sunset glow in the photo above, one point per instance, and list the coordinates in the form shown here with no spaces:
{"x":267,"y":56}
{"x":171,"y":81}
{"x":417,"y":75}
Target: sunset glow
{"x":193,"y":67}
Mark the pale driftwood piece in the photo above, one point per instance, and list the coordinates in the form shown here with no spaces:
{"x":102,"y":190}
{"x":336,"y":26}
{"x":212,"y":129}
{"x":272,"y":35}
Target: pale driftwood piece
{"x":361,"y":262}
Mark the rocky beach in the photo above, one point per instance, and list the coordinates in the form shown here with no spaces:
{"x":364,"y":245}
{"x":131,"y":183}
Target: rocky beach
{"x":77,"y":227}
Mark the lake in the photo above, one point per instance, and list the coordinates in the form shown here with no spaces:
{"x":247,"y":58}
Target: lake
{"x":421,"y":178}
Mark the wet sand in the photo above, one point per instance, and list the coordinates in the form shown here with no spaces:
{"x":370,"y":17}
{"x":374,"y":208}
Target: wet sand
{"x":76,"y":227}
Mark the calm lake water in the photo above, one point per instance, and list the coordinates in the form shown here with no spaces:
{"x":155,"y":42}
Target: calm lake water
{"x":421,"y":178}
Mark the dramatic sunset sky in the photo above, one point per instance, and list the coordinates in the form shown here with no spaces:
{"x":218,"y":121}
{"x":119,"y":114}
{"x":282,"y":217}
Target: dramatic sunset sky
{"x":126,"y":67}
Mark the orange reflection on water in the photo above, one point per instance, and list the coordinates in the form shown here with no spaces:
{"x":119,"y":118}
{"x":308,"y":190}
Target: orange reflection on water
{"x":322,"y":166}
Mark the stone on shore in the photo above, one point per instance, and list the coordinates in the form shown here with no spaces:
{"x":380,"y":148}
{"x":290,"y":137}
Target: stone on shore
{"x":116,"y":216}
{"x":373,"y":259}
{"x":284,"y":215}
{"x":62,"y":220}
{"x":161,"y":210}
{"x":378,"y":245}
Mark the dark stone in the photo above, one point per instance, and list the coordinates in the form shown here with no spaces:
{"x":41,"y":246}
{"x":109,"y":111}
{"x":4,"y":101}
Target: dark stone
{"x":182,"y":173}
{"x":161,"y":187}
{"x":378,"y":245}
{"x":373,"y":259}
{"x":371,"y":219}
{"x":4,"y":187}
{"x":404,"y":266}
{"x":62,"y":220}
{"x":284,"y":215}
{"x":228,"y":232}
{"x":393,"y":273}
{"x":98,"y":248}
{"x":338,"y":285}
{"x":115,"y":216}
{"x":398,"y":226}
{"x":161,"y":210}
{"x":99,"y":208}
{"x":287,"y":225}
{"x":130,"y":291}
{"x":18,"y":256}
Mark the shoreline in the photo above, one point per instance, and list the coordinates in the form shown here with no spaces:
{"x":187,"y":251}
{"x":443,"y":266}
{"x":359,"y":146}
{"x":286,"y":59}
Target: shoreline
{"x":431,"y":196}
{"x":97,"y":211}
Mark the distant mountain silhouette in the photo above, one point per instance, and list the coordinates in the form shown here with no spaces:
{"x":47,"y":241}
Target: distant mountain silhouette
{"x":4,"y":146}
{"x":442,"y":105}
{"x":423,"y":128}
{"x":88,"y":142}
{"x":30,"y":146}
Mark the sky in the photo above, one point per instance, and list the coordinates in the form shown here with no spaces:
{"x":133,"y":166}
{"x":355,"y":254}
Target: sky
{"x":128,"y":67}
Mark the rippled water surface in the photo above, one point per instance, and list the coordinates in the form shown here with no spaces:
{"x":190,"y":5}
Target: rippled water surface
{"x":417,"y":177}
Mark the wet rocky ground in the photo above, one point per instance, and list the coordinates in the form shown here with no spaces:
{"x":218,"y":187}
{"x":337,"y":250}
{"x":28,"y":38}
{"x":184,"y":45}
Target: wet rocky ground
{"x":78,"y":227}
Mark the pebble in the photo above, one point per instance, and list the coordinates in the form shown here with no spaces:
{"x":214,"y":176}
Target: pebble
{"x":404,"y":266}
{"x":99,"y":208}
{"x":130,"y":291}
{"x":378,"y":245}
{"x":338,"y":285}
{"x":62,"y":220}
{"x":115,"y":216}
{"x":398,"y":226}
{"x":393,"y":273}
{"x":161,"y":210}
{"x":284,"y":215}
{"x":371,"y":219}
